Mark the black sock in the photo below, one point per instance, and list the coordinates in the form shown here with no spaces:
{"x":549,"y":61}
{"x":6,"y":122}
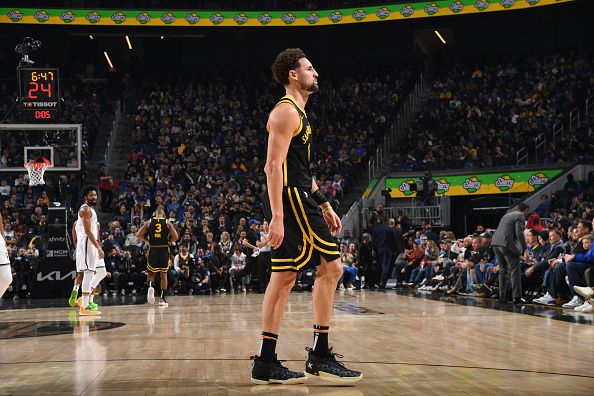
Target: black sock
{"x":320,"y":344}
{"x":268,"y":346}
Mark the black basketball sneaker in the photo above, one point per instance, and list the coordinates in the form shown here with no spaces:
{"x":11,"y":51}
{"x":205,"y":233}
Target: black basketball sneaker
{"x":329,"y":369}
{"x":274,"y":373}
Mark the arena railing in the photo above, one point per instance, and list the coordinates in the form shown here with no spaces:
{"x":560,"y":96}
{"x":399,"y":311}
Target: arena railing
{"x":112,"y":137}
{"x":416,"y":214}
{"x":589,"y":104}
{"x":574,"y":119}
{"x":407,"y":111}
{"x":557,"y":130}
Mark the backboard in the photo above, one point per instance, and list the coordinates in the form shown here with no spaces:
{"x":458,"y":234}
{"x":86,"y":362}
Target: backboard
{"x":61,"y":144}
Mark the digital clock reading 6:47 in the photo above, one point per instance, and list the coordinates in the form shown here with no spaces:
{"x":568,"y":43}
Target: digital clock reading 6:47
{"x":39,"y":89}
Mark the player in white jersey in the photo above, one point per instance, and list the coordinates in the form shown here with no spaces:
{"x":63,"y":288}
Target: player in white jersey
{"x":100,"y":273}
{"x":5,"y":272}
{"x":88,"y":248}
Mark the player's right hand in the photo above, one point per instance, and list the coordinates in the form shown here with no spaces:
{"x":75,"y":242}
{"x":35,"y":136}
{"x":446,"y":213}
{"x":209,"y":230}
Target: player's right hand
{"x":101,"y":254}
{"x":276,"y":233}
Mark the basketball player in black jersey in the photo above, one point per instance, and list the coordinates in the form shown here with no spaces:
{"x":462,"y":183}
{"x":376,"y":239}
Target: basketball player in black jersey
{"x":159,"y":233}
{"x":302,"y":228}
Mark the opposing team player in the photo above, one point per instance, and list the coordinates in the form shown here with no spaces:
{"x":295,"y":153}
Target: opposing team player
{"x":100,"y":273}
{"x":159,"y":233}
{"x":5,"y":272}
{"x":89,"y":253}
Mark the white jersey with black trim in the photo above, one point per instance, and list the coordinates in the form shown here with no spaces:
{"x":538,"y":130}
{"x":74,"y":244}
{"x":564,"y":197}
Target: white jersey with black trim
{"x":4,"y":259}
{"x":80,"y":228}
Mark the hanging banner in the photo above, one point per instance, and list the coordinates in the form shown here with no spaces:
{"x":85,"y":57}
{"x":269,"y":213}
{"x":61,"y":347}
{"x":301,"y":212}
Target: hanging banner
{"x":476,"y":184}
{"x":51,"y":16}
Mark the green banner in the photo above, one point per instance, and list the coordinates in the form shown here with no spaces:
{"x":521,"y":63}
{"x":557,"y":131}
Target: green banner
{"x":261,"y":18}
{"x":370,"y":188}
{"x":476,"y":184}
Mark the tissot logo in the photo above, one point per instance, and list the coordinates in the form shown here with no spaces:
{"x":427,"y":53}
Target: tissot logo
{"x":55,"y":276}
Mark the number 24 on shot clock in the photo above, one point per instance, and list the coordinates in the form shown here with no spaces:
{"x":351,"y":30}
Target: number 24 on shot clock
{"x":39,"y":93}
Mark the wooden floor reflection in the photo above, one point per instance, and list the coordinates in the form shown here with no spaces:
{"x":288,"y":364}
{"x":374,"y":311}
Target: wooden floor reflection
{"x":201,"y":345}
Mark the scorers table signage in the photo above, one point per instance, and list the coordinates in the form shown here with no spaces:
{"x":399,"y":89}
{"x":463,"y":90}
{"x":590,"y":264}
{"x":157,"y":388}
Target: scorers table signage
{"x":39,"y":93}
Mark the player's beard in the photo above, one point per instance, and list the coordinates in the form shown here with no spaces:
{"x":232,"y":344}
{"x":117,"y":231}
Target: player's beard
{"x":313,"y":87}
{"x":91,"y":202}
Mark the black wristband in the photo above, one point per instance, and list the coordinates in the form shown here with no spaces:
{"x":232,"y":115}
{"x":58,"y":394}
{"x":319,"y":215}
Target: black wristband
{"x":319,"y":197}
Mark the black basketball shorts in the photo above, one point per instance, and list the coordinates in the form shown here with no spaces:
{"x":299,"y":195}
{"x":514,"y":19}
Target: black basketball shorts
{"x":307,"y":236}
{"x":158,"y":259}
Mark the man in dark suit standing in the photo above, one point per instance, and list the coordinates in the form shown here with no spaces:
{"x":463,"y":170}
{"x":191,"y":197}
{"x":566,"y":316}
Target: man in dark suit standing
{"x":387,"y":244}
{"x":509,"y":244}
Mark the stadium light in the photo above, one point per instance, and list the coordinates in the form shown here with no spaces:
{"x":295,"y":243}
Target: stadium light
{"x":439,"y":36}
{"x":128,"y":41}
{"x":162,"y":37}
{"x":91,"y":36}
{"x":108,"y":60}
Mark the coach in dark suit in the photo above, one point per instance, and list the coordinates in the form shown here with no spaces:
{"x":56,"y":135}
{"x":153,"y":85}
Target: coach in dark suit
{"x":509,"y":244}
{"x":387,"y":244}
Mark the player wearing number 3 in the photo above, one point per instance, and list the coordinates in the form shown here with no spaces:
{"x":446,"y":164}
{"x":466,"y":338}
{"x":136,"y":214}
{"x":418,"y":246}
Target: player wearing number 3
{"x":159,"y":233}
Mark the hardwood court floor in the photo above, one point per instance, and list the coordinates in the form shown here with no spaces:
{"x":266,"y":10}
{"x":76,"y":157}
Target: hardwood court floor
{"x":201,"y":345}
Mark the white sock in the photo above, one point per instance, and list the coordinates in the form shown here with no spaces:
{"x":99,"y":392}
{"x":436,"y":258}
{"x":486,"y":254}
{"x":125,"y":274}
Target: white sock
{"x":75,"y":288}
{"x":85,"y":301}
{"x":86,"y":287}
{"x":100,"y":273}
{"x":5,"y":278}
{"x":91,"y":296}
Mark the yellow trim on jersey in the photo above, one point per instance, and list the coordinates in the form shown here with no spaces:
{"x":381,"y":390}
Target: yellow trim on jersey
{"x":292,"y":260}
{"x":312,"y":231}
{"x":298,"y":130}
{"x":306,"y":238}
{"x":310,"y":239}
{"x":285,"y":179}
{"x":292,"y":99}
{"x":288,"y":100}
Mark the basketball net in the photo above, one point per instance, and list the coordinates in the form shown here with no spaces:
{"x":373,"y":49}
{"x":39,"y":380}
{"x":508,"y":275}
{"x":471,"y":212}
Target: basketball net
{"x":36,"y":171}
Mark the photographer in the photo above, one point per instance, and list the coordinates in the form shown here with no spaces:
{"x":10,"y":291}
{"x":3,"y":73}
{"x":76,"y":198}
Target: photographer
{"x":427,"y":195}
{"x":200,"y":277}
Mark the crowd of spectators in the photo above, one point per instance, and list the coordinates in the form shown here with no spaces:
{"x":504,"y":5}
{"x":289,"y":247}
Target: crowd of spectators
{"x":558,"y":257}
{"x":199,"y":150}
{"x":479,"y":116}
{"x":23,"y":207}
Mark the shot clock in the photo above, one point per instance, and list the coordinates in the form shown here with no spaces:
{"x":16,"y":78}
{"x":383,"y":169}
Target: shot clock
{"x":39,"y":94}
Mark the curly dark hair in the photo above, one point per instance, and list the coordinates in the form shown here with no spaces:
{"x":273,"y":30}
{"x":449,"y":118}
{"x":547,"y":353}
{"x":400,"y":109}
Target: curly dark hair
{"x":285,"y":61}
{"x":87,"y":189}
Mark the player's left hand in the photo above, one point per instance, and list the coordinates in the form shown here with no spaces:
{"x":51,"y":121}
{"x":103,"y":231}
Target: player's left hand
{"x":333,"y":222}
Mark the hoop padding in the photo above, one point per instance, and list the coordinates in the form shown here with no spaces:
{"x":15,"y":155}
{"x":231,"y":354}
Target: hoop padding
{"x":36,"y":171}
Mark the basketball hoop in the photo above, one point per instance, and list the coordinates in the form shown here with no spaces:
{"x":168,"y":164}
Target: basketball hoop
{"x":36,"y":170}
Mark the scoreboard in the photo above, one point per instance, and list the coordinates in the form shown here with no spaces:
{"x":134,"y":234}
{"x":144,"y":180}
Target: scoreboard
{"x":39,"y":94}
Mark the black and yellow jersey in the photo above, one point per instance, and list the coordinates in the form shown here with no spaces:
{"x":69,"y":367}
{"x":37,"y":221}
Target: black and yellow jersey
{"x":184,"y":261}
{"x":158,"y":232}
{"x":296,"y":170}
